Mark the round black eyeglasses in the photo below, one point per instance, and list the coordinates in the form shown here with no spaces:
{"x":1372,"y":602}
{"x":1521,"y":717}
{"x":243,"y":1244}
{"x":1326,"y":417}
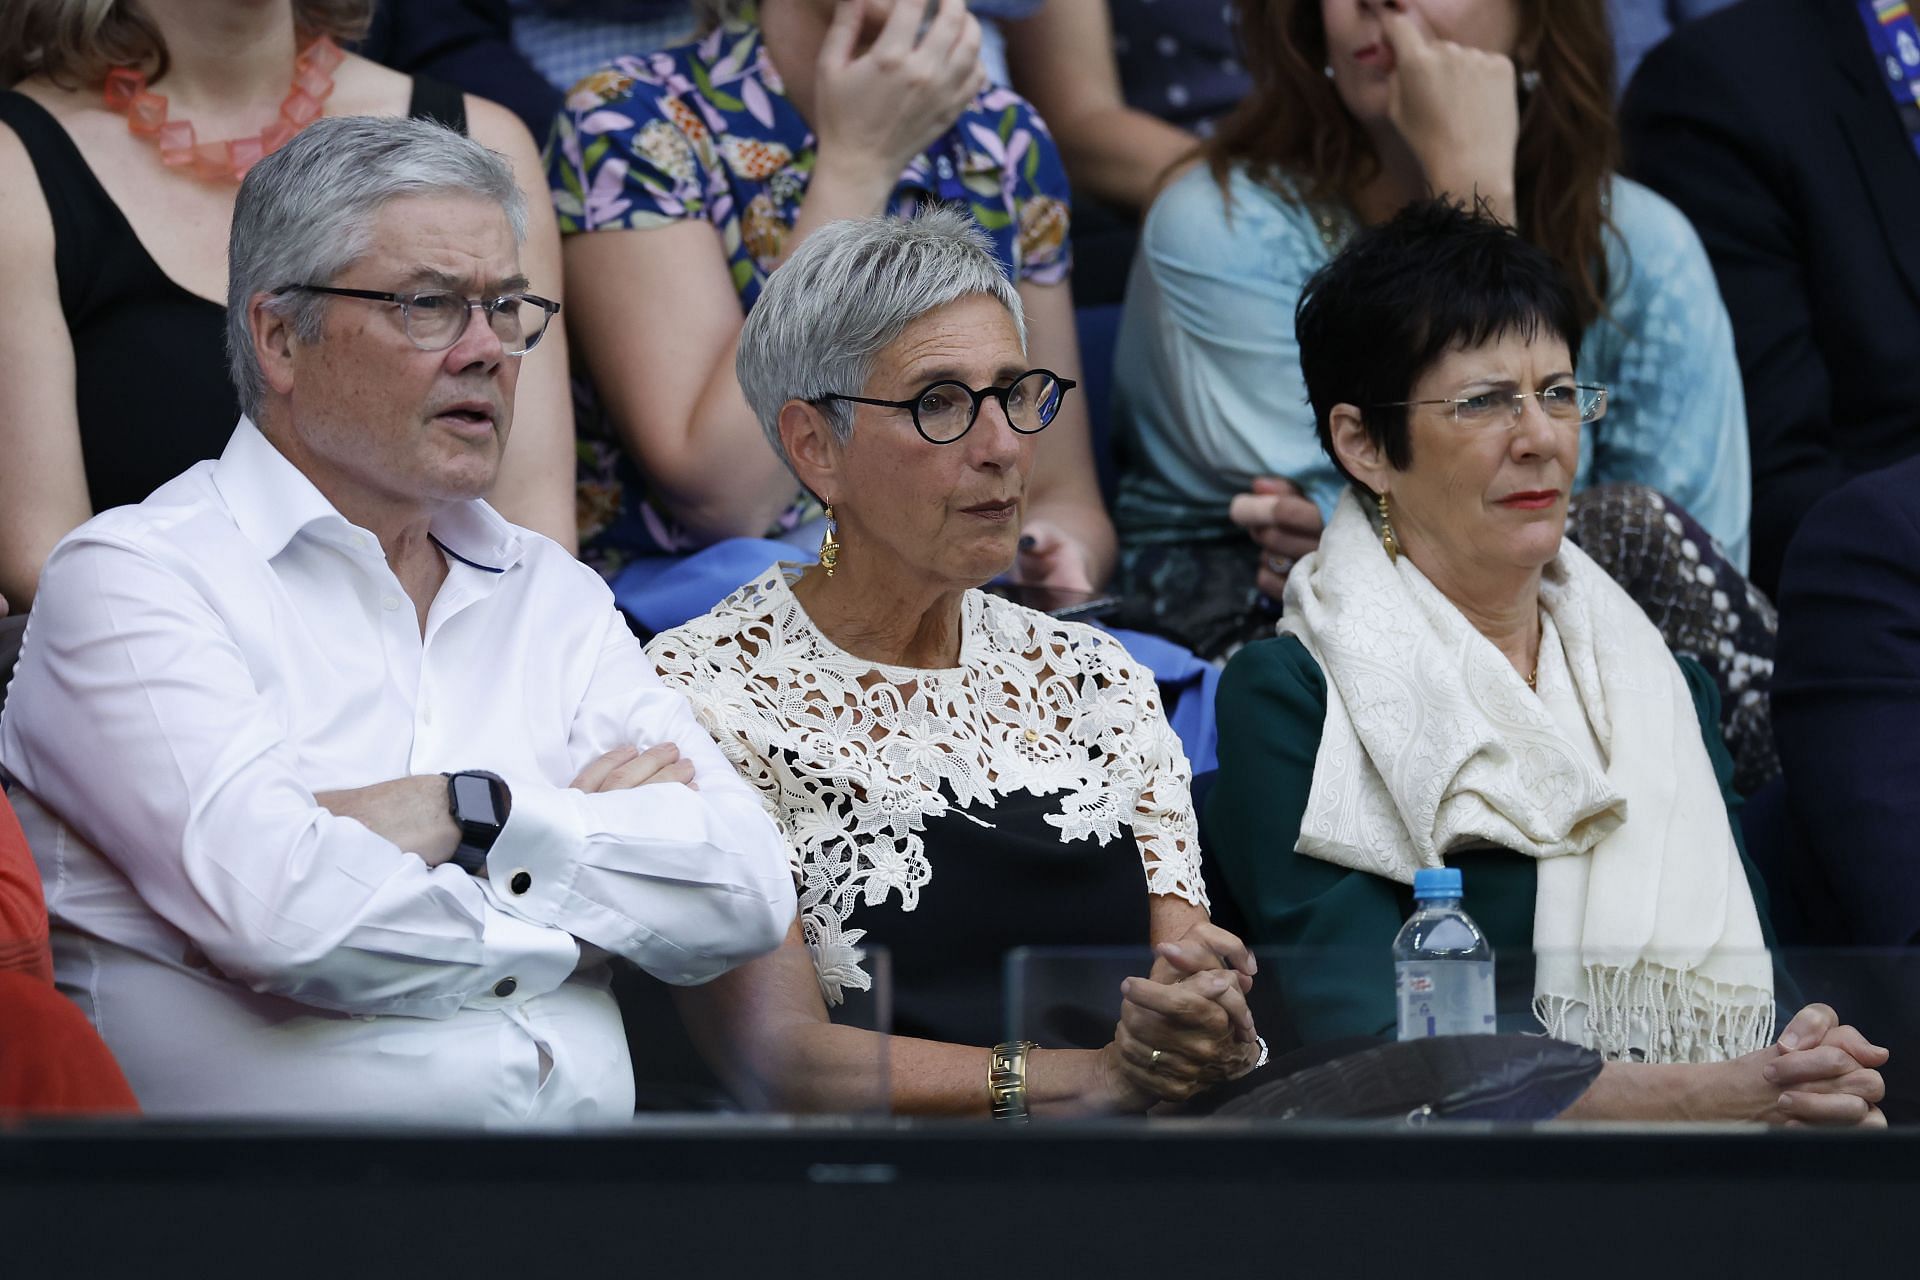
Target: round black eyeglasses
{"x":945,"y":411}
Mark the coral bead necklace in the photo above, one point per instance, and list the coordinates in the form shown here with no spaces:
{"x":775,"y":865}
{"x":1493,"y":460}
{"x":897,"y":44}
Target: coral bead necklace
{"x":126,"y":91}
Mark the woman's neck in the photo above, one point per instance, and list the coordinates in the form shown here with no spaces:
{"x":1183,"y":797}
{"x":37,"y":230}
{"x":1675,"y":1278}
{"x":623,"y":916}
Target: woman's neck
{"x":1504,"y":608}
{"x":883,"y":623}
{"x":1398,"y":182}
{"x":224,"y":60}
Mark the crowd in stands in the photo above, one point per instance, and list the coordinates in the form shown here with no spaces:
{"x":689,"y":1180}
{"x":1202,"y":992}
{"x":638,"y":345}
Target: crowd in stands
{"x":1482,"y":430}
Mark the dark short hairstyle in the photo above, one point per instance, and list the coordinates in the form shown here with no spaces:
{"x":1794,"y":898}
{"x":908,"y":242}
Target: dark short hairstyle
{"x":1437,"y":277}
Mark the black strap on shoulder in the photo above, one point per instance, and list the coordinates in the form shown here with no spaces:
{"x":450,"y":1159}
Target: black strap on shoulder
{"x":440,"y":102}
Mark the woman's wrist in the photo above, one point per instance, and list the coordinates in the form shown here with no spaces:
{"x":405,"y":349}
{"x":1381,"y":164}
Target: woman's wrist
{"x":1082,"y":1082}
{"x":849,"y":176}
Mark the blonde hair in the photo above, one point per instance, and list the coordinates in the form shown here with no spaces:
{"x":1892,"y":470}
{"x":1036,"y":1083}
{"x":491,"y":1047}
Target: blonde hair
{"x":75,"y":43}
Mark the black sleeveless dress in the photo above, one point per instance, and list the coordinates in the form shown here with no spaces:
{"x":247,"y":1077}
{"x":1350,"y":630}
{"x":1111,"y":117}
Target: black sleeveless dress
{"x":150,"y":360}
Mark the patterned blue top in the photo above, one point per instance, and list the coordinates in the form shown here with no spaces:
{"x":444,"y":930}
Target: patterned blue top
{"x":705,"y":131}
{"x":1208,"y":392}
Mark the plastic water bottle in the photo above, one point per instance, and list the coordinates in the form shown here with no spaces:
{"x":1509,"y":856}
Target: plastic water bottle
{"x":1442,"y":964}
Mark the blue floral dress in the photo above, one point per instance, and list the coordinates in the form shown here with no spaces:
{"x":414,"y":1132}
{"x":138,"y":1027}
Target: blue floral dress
{"x":705,"y":130}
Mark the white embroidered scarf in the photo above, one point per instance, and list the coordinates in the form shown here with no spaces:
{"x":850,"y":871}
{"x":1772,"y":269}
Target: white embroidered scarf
{"x":1645,"y":931}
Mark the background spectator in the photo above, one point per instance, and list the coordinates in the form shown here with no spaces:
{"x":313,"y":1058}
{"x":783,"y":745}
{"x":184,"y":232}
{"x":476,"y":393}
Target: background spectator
{"x":468,"y":44}
{"x":51,"y":1060}
{"x":1795,"y":149}
{"x":1639,"y":25}
{"x":1358,"y":108}
{"x":677,"y":200}
{"x":1847,"y":700}
{"x":113,"y":372}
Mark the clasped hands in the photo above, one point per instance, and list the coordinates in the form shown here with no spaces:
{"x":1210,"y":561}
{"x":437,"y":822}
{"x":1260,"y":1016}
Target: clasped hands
{"x":1185,"y":1026}
{"x":1818,"y":1072}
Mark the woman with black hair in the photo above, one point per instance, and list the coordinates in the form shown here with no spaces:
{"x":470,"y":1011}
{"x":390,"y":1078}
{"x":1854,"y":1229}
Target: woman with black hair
{"x":1457,"y":684}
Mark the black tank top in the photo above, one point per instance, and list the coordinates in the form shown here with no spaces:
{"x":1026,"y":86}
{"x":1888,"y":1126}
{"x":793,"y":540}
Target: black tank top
{"x":150,"y":359}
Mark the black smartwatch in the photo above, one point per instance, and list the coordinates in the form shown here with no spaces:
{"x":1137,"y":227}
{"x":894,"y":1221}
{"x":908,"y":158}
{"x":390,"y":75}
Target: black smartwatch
{"x":479,"y":802}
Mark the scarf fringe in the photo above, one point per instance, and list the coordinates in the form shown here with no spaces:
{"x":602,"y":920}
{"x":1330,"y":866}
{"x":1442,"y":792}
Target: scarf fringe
{"x":1683,"y":1016}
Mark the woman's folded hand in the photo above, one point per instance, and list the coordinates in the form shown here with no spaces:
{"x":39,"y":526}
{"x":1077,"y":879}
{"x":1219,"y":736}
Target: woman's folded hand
{"x":1176,"y":1039}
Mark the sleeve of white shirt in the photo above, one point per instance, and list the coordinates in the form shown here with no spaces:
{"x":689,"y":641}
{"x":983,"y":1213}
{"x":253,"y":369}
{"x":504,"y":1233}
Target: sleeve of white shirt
{"x":686,"y":883}
{"x":136,"y":719}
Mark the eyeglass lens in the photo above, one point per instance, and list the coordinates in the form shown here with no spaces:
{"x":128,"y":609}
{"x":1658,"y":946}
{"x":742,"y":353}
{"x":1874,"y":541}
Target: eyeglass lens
{"x":1563,"y":403}
{"x":945,"y":410}
{"x":436,"y":320}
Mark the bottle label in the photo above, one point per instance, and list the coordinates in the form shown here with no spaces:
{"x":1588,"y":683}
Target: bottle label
{"x":1444,"y":998}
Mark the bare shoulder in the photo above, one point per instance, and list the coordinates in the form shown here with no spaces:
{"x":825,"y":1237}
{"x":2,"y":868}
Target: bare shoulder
{"x":26,"y":224}
{"x":363,"y":87}
{"x":498,"y":129}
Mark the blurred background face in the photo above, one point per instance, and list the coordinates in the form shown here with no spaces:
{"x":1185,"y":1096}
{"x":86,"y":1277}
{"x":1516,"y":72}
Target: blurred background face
{"x":1362,"y":63}
{"x":948,"y":513}
{"x":1495,"y":494}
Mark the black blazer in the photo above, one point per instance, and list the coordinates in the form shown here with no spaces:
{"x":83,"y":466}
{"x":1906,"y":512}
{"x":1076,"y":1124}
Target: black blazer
{"x":1773,"y":130}
{"x":1846,"y":703}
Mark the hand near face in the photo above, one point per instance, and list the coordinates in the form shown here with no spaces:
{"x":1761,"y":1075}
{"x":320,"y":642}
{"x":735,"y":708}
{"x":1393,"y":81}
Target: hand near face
{"x":1050,"y":557}
{"x":879,"y":108}
{"x":1458,"y":109}
{"x":1283,"y":522}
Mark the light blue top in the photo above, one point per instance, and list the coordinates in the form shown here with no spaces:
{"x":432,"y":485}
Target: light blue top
{"x":1208,"y":392}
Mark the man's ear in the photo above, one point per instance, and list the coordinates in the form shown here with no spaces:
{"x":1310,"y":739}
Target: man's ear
{"x":1358,"y":452}
{"x":273,"y":341}
{"x":812,"y":447}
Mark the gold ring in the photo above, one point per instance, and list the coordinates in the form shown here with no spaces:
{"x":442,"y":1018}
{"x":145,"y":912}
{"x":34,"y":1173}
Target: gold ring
{"x":1153,"y":1060}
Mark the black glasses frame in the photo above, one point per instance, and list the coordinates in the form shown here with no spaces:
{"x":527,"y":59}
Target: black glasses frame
{"x":979,"y":396}
{"x":405,"y":302}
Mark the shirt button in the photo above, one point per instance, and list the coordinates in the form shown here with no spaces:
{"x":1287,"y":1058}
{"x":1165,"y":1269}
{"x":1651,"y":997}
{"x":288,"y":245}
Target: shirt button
{"x":389,"y":603}
{"x":505,"y":987}
{"x":520,"y":883}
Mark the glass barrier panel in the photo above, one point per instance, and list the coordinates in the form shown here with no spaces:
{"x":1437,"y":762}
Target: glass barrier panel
{"x":720,"y":1049}
{"x":1317,"y":1005}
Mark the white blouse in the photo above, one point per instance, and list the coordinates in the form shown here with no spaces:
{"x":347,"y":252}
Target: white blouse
{"x":849,"y":756}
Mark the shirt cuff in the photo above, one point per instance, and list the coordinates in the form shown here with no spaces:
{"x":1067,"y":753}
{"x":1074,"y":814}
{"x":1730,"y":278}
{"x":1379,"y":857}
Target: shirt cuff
{"x":536,"y":856}
{"x":522,"y":960}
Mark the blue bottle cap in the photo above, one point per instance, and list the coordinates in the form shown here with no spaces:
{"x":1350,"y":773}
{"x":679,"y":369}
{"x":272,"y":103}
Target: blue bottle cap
{"x":1436,"y":882}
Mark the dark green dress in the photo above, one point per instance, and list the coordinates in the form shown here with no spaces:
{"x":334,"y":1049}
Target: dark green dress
{"x":1271,"y":706}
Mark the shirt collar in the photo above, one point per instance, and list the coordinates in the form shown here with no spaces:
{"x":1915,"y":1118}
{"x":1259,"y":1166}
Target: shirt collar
{"x":272,"y":502}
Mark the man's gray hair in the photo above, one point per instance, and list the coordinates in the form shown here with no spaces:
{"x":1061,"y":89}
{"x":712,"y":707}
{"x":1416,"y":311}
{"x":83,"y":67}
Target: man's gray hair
{"x":849,"y":290}
{"x":305,"y":214}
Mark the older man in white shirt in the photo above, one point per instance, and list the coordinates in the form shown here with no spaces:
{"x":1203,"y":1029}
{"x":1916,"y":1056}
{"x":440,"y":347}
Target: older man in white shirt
{"x":342,"y":787}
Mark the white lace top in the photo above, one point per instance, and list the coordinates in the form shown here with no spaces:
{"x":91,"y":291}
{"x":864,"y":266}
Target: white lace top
{"x":850,"y":756}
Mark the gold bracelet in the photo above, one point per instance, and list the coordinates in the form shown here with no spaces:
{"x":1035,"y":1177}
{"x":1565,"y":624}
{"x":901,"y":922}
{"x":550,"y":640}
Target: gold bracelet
{"x":1007,"y":1080}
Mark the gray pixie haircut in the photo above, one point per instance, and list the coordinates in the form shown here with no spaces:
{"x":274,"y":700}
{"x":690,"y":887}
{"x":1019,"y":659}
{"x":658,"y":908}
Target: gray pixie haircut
{"x":849,"y":290}
{"x":305,"y":214}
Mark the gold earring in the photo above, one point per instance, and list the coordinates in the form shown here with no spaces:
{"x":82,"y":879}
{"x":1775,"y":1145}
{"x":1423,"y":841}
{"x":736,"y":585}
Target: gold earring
{"x":1387,"y":540}
{"x":830,"y":545}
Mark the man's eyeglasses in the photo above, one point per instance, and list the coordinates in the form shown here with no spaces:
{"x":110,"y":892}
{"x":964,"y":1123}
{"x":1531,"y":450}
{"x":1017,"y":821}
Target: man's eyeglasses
{"x":945,"y":411}
{"x":435,"y":318}
{"x":1566,"y":402}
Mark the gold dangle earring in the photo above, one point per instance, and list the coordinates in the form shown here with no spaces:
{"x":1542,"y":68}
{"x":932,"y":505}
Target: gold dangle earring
{"x":1387,"y":540}
{"x":830,"y":545}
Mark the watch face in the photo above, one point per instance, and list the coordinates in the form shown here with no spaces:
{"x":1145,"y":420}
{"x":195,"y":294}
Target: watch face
{"x":474,"y":799}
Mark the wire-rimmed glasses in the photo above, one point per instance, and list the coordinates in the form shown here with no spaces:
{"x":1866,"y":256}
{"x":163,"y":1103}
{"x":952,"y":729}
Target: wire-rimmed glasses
{"x":945,"y":411}
{"x":435,"y":318}
{"x":1568,"y":402}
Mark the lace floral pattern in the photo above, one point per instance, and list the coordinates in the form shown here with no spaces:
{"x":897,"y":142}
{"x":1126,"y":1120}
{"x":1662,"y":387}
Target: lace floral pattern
{"x":852,"y":759}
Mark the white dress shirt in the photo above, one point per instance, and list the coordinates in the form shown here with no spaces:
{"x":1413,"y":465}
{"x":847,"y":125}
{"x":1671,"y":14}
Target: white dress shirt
{"x":198,"y":666}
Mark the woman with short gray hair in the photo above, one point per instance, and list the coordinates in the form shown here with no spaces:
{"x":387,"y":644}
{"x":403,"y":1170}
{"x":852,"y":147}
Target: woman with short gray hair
{"x":899,"y":722}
